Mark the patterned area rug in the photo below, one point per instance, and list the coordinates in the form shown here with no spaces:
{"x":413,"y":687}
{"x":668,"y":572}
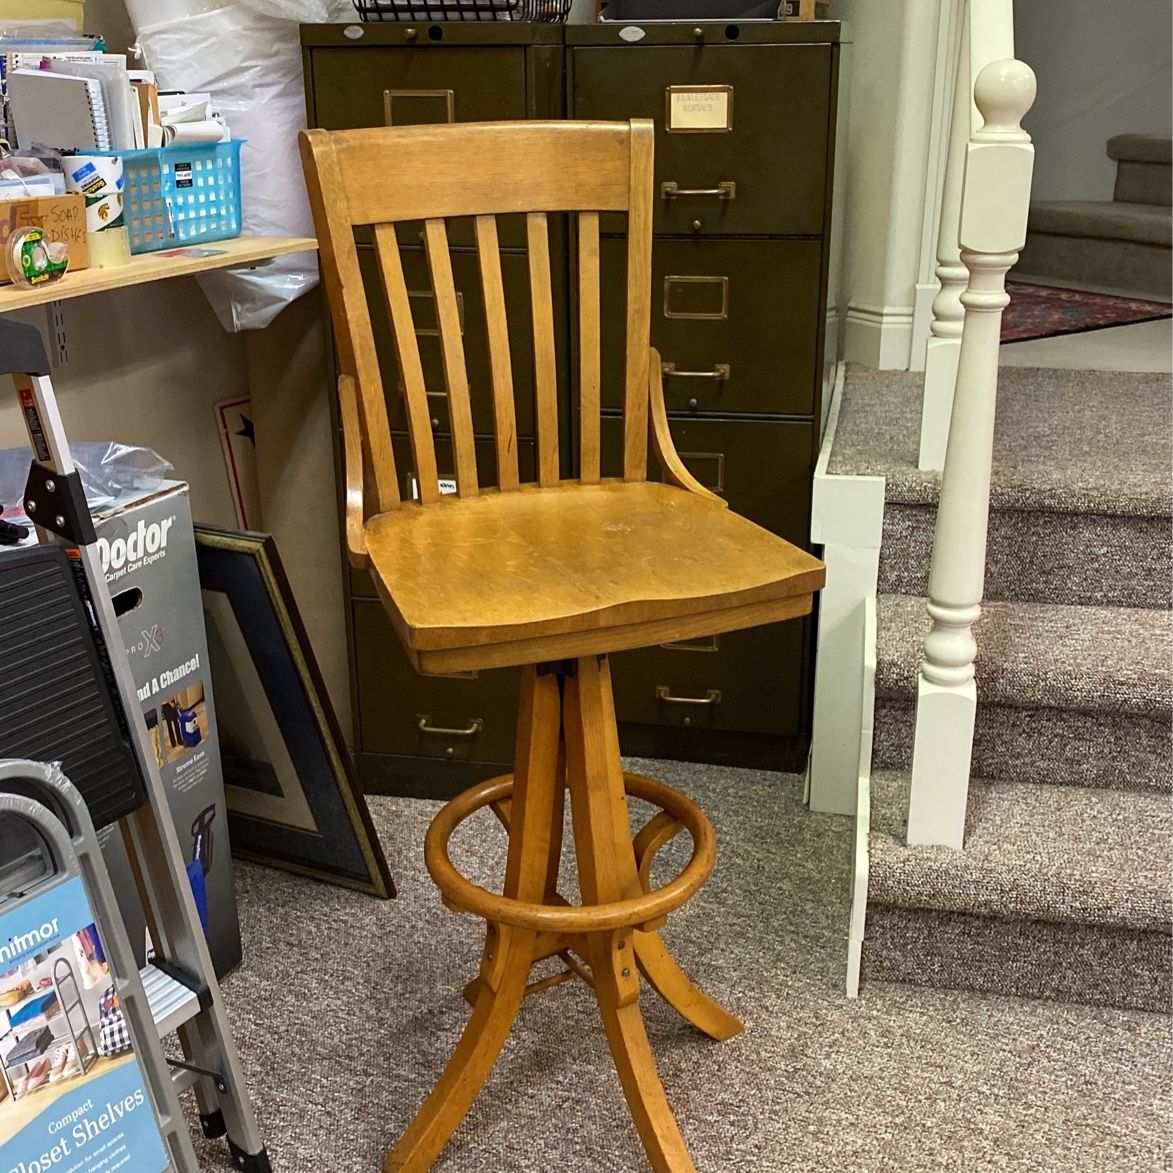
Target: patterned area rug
{"x":1040,"y":311}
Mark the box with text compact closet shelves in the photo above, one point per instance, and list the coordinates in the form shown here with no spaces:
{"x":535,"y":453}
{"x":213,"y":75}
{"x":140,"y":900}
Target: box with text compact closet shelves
{"x":745,"y":127}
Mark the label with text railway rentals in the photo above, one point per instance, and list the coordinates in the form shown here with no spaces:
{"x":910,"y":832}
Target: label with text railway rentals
{"x":75,"y":1101}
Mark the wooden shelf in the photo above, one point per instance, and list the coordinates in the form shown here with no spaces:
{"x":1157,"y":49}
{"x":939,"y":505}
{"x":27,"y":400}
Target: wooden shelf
{"x":243,"y":251}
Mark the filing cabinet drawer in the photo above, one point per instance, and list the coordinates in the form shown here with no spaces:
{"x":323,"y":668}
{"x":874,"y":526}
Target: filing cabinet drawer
{"x":361,"y":585}
{"x":470,"y":717}
{"x":466,"y":277}
{"x":776,"y":101}
{"x":738,"y":319}
{"x":355,"y":87}
{"x":418,"y":84}
{"x":748,"y":681}
{"x":761,"y":467}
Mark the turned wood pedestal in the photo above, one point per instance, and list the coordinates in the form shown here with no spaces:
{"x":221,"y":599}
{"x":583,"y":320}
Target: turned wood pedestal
{"x":567,"y":740}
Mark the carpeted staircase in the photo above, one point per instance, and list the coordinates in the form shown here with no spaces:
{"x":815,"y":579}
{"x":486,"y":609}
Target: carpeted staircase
{"x":1122,"y":243}
{"x":1063,"y":890}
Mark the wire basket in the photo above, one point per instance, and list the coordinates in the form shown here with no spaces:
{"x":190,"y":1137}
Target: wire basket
{"x":181,"y":195}
{"x":419,"y":11}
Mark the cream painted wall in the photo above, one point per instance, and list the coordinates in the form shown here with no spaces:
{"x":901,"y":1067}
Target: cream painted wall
{"x":145,"y":366}
{"x":891,"y":63}
{"x":108,"y":17}
{"x":1103,"y":69}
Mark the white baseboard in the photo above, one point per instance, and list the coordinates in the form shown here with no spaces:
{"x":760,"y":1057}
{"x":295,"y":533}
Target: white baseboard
{"x":878,"y":336}
{"x":922,"y":322}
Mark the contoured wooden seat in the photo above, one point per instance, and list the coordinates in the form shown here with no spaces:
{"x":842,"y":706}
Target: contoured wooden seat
{"x":551,"y":575}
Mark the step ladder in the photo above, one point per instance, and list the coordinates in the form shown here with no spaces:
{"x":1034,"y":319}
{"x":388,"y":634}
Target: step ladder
{"x":180,"y":986}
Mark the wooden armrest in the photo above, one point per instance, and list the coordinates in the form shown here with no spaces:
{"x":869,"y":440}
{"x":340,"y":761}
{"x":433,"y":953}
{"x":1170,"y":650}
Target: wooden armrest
{"x":670,"y":463}
{"x":356,"y":543}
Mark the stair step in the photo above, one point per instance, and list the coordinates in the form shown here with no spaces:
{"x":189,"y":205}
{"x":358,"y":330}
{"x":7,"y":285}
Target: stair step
{"x":1060,"y":893}
{"x":1141,"y":148}
{"x":1102,"y":220}
{"x":1144,"y":183}
{"x":1074,"y":496}
{"x":1042,"y":655}
{"x":1053,"y":747}
{"x":1057,"y":960}
{"x":1068,"y":696}
{"x":1064,"y":441}
{"x":1057,"y":853}
{"x":1107,"y":245}
{"x":1039,"y":557}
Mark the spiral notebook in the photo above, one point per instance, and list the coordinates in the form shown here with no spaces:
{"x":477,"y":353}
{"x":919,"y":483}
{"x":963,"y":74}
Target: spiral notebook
{"x":58,"y":110}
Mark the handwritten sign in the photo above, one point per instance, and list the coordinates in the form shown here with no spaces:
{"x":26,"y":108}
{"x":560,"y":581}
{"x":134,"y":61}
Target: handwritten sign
{"x":61,"y":217}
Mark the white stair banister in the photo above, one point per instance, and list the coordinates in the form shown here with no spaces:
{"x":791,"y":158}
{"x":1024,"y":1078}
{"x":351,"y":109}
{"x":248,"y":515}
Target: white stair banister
{"x":945,"y":330}
{"x":985,"y":35}
{"x":994,"y":204}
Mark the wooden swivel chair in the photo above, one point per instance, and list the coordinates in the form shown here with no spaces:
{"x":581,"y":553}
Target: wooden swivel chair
{"x":551,"y":576}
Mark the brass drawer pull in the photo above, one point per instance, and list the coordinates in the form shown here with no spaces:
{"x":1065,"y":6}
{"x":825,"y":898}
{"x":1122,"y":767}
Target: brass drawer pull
{"x":711,"y":697}
{"x":474,"y":727}
{"x":723,"y":191}
{"x":721,"y":372}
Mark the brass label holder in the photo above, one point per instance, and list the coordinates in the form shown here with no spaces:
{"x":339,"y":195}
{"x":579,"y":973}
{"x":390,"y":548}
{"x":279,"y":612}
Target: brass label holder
{"x":390,"y":97}
{"x":698,"y":109}
{"x":675,"y":282}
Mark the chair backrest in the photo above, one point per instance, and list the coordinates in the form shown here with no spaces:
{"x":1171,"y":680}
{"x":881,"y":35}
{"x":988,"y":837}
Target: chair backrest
{"x":379,"y":177}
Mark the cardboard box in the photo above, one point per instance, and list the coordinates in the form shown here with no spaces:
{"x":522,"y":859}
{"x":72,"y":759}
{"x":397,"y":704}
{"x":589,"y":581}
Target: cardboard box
{"x":63,"y":217}
{"x":148,"y":552}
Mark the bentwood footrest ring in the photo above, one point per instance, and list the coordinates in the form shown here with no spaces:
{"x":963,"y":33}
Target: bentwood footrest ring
{"x":463,"y":895}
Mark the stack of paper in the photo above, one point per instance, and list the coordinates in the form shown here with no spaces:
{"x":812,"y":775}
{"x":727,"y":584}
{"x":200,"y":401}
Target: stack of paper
{"x":27,"y":49}
{"x":58,"y":110}
{"x":43,"y":109}
{"x":189,"y":118}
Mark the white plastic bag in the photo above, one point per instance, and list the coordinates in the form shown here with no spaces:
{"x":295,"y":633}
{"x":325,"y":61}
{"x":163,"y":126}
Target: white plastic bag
{"x":110,"y":472}
{"x":305,"y":11}
{"x":250,"y":61}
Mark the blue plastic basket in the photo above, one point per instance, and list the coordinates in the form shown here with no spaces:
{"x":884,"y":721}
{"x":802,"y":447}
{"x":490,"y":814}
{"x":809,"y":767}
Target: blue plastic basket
{"x":178,"y":196}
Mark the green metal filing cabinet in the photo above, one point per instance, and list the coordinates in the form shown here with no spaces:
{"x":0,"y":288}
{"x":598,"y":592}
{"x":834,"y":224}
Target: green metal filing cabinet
{"x":745,"y":118}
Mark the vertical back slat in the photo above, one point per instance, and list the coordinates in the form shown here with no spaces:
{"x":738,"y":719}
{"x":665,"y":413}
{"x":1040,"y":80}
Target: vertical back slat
{"x":452,"y":348}
{"x":493,"y":291}
{"x":639,"y":304}
{"x":352,"y":322}
{"x":588,"y":346}
{"x":545,"y":369}
{"x":410,"y":370}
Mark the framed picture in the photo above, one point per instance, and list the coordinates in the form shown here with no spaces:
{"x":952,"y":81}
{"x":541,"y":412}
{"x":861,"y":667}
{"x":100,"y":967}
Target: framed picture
{"x":293,"y":801}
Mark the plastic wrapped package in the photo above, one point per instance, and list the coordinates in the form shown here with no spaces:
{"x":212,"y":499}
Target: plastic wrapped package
{"x":110,"y":473}
{"x":305,"y":11}
{"x":248,"y":56}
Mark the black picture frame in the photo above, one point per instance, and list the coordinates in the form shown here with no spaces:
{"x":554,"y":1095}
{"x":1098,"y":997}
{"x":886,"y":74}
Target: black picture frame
{"x":293,"y":800}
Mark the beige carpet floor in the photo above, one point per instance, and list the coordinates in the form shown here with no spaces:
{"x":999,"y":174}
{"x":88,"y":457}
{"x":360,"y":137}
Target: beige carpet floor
{"x":346,"y":1009}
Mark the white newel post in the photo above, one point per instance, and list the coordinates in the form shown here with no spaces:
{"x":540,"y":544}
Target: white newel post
{"x":995,"y":201}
